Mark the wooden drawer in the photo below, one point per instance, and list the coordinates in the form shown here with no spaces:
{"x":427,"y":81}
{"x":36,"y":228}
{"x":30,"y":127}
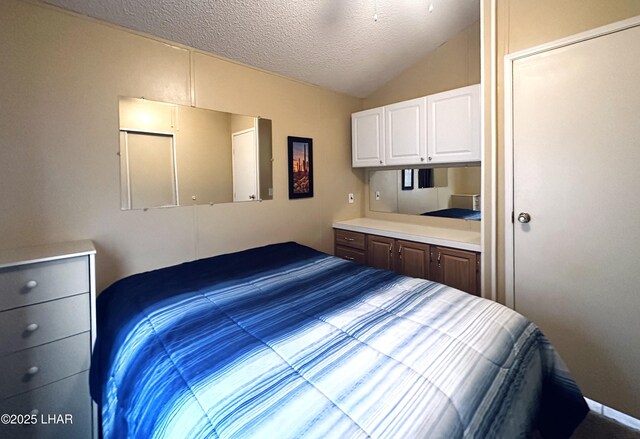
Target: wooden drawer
{"x":33,"y":325}
{"x":351,"y":254}
{"x":33,"y":283}
{"x":350,"y":239}
{"x":68,"y":396}
{"x":36,"y":367}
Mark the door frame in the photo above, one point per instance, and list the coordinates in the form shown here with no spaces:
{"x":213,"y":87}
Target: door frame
{"x":509,"y":60}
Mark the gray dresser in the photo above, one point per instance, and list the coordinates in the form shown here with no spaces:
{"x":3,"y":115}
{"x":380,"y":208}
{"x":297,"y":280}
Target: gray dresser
{"x":47,"y":330}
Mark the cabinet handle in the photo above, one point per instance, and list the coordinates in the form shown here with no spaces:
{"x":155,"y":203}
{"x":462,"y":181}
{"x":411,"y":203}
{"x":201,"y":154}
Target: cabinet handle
{"x":31,"y":284}
{"x":349,"y":239}
{"x":33,"y":370}
{"x":400,"y":252}
{"x":439,"y":260}
{"x":33,"y":327}
{"x":350,"y":258}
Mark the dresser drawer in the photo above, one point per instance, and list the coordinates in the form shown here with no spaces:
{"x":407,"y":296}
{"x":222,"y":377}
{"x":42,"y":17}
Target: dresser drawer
{"x":33,"y":325}
{"x":350,"y":239}
{"x":33,"y":283}
{"x":69,"y":396}
{"x":351,"y":254}
{"x":35,"y":367}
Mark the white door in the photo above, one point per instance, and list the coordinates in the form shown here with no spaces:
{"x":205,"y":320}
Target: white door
{"x":406,"y":132}
{"x":576,"y":172}
{"x":367,"y":138}
{"x":245,"y":159}
{"x":454,"y":125}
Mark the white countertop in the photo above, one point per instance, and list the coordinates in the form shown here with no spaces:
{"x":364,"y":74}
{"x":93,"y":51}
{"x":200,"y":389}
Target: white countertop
{"x":461,"y":239}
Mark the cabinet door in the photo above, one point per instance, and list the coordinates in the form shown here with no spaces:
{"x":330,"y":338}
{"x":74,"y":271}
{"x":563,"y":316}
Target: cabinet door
{"x":406,"y":132}
{"x":380,"y":252}
{"x":455,"y":268}
{"x":367,"y":138}
{"x":454,"y":125}
{"x":413,"y":259}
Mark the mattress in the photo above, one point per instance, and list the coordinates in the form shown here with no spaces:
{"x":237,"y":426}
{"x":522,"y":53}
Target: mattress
{"x":284,"y":341}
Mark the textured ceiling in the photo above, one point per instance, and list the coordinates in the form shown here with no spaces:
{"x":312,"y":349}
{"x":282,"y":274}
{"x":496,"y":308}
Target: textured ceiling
{"x":335,"y":44}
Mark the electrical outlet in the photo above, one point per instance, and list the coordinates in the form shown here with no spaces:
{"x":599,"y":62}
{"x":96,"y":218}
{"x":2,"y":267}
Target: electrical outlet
{"x":350,"y":198}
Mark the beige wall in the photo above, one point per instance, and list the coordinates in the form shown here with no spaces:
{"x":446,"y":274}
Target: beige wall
{"x":522,"y":24}
{"x":241,"y":123}
{"x":59,"y":170}
{"x":454,"y":64}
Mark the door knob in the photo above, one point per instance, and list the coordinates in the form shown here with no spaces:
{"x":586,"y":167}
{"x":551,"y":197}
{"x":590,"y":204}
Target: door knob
{"x":524,"y":217}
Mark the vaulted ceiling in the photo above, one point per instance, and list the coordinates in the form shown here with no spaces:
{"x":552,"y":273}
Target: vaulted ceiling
{"x":350,"y":46}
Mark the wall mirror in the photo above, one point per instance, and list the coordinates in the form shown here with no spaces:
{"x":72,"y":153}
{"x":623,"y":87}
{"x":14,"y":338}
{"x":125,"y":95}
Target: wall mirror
{"x":175,"y":155}
{"x":443,"y":192}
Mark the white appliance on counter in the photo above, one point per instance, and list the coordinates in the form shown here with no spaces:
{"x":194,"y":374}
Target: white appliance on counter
{"x":466,"y":201}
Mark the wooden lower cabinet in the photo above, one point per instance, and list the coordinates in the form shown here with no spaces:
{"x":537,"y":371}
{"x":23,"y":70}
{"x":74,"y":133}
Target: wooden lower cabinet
{"x":381,"y":252}
{"x":405,"y":257}
{"x":350,"y":246}
{"x":457,"y":268}
{"x":413,"y":259}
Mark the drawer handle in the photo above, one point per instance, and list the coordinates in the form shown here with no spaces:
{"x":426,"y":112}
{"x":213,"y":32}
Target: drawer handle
{"x":350,"y":258}
{"x":349,"y":239}
{"x":33,"y":327}
{"x":33,"y":370}
{"x":31,"y":284}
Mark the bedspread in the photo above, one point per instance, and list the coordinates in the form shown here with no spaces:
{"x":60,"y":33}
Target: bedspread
{"x":284,"y":341}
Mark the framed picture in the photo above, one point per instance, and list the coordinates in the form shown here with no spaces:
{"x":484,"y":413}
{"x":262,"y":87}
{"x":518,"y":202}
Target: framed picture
{"x":300,"y":167}
{"x":407,"y":179}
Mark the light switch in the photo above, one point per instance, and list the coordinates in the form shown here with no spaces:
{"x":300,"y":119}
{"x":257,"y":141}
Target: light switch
{"x":350,"y":198}
{"x":377,"y":195}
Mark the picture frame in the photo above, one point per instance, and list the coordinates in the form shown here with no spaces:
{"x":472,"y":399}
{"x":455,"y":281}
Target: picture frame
{"x":300,"y":165}
{"x":407,"y":179}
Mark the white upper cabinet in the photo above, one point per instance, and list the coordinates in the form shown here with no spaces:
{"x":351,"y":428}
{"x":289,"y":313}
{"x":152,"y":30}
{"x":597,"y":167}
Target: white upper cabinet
{"x":454,"y":125}
{"x":435,"y":129}
{"x":367,"y":138}
{"x":406,"y":132}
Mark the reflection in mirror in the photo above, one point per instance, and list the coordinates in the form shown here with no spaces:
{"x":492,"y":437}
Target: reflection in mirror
{"x":174,"y":155}
{"x":443,"y":192}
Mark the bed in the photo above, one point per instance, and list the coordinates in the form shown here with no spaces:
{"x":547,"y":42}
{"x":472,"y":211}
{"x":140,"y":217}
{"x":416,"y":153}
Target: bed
{"x":285,"y":341}
{"x":456,"y":212}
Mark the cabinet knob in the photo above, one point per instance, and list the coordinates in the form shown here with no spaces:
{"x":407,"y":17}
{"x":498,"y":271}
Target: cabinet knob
{"x":422,"y":159}
{"x":430,"y":158}
{"x":33,"y":370}
{"x":33,"y":327}
{"x":31,"y":284}
{"x":380,"y":161}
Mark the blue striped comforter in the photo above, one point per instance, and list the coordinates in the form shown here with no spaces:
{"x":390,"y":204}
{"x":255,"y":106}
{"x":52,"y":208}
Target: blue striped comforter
{"x":284,"y":341}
